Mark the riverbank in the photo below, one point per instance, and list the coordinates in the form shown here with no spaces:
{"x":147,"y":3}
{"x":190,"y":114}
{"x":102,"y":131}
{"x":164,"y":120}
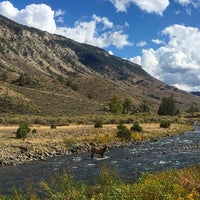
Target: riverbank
{"x":45,"y":142}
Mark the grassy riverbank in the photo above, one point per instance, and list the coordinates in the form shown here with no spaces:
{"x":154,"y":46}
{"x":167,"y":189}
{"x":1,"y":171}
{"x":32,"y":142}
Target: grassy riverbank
{"x":46,"y":142}
{"x":87,"y":133}
{"x":168,"y":185}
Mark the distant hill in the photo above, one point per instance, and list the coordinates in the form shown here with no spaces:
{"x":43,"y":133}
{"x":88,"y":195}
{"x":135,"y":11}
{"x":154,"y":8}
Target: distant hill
{"x":196,"y":93}
{"x":46,"y":74}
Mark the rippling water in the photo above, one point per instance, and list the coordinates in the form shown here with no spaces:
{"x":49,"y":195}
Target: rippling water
{"x":174,"y":152}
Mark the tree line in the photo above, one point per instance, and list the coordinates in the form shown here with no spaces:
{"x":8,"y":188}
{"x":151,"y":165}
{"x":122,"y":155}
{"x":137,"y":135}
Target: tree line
{"x":119,"y":106}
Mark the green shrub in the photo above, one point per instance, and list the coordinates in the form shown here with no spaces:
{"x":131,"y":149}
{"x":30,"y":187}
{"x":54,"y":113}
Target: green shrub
{"x":98,"y":124}
{"x":25,"y":80}
{"x":22,"y":131}
{"x":72,"y":85}
{"x":61,"y":79}
{"x":34,"y":131}
{"x":53,"y":126}
{"x":123,"y":132}
{"x":136,"y":127}
{"x":165,"y":124}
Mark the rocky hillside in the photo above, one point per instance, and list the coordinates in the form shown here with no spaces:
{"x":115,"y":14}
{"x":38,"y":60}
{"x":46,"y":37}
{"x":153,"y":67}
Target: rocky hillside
{"x":47,"y":74}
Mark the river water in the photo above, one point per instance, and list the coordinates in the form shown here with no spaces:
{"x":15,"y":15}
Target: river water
{"x":167,"y":153}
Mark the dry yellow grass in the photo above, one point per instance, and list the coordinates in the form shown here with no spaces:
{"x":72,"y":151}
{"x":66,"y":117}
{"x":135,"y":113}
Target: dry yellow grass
{"x":81,"y":133}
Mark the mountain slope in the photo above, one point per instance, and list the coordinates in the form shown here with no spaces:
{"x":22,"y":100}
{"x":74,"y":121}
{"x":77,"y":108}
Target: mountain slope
{"x":47,"y":74}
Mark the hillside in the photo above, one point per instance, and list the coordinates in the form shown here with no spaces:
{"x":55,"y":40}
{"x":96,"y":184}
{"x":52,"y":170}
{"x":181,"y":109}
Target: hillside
{"x":46,"y":74}
{"x":196,"y":93}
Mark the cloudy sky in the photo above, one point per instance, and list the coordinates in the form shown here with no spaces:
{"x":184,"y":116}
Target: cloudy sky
{"x":163,"y":36}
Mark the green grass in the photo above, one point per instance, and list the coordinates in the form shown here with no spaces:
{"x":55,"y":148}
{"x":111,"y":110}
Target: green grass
{"x":168,"y":185}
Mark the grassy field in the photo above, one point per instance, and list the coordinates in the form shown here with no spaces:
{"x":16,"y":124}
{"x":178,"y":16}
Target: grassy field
{"x":85,"y":133}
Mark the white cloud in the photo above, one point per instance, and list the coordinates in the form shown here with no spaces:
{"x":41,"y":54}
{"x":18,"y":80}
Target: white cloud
{"x":92,"y":33}
{"x":157,"y":41}
{"x":60,"y":19}
{"x":188,"y":11}
{"x":118,"y":39}
{"x":110,"y":52}
{"x":99,"y":31}
{"x":183,"y":2}
{"x":141,"y":44}
{"x":106,"y":23}
{"x":8,"y":10}
{"x":177,"y":62}
{"x":177,"y":12}
{"x":189,"y":5}
{"x":121,"y":5}
{"x":59,"y":15}
{"x":194,"y":3}
{"x":136,"y":59}
{"x":59,"y":12}
{"x":150,"y":6}
{"x":39,"y":16}
{"x":126,"y":24}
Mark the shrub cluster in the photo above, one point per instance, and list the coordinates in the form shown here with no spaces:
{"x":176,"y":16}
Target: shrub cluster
{"x":25,"y":80}
{"x":165,"y":124}
{"x":98,"y":124}
{"x":136,"y":127}
{"x":123,"y":132}
{"x":72,"y":85}
{"x":22,"y":131}
{"x":53,"y":126}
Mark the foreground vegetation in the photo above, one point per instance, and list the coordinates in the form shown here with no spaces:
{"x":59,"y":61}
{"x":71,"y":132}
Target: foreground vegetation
{"x":168,"y":185}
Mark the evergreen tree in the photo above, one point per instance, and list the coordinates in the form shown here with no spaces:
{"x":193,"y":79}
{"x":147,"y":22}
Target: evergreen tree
{"x":167,"y":106}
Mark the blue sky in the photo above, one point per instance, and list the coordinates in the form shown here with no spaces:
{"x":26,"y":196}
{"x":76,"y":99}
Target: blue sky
{"x":163,"y":36}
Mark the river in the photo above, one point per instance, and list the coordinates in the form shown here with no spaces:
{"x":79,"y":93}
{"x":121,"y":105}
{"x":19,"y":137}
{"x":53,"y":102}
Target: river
{"x":167,"y":153}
